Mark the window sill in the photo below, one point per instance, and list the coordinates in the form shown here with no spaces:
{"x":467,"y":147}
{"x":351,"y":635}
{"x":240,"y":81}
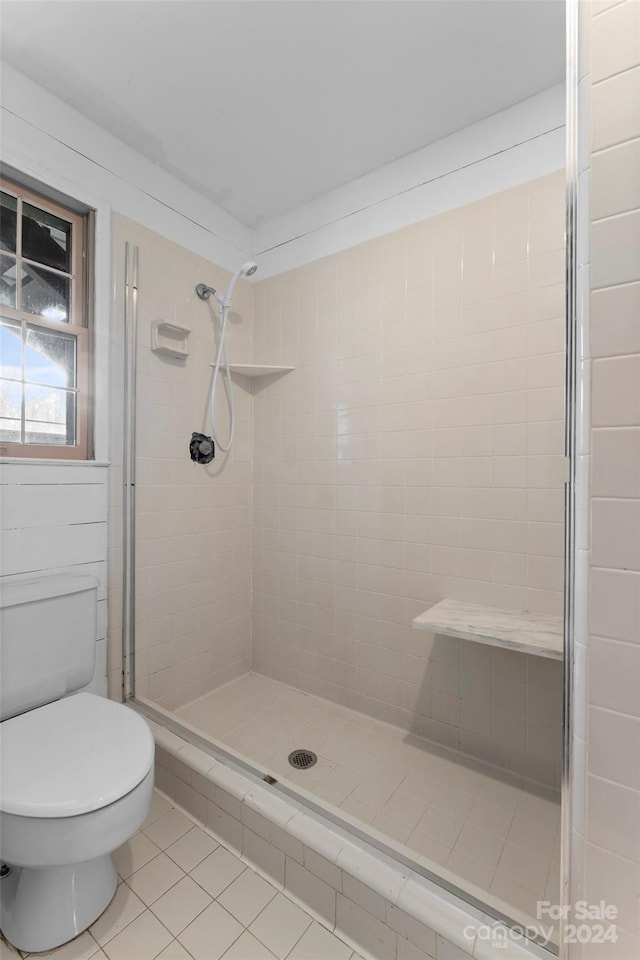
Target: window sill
{"x":45,"y":461}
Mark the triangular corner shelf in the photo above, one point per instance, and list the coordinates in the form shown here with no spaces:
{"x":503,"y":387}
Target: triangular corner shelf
{"x":257,"y":369}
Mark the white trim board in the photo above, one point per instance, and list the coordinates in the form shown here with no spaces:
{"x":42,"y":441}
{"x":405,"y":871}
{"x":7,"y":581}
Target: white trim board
{"x":49,"y":140}
{"x":521,"y":143}
{"x":45,"y":138}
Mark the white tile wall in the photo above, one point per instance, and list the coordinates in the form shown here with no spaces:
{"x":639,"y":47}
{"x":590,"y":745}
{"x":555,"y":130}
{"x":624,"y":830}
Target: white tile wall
{"x":609,"y":861}
{"x":416,"y":453}
{"x":193,"y":533}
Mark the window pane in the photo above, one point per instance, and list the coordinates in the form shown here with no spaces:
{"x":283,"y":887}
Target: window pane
{"x":50,"y":358}
{"x":8,"y":276}
{"x":45,"y":293}
{"x":10,"y":410}
{"x":8,"y":219}
{"x":46,"y":238}
{"x":50,"y":415}
{"x":10,"y":350}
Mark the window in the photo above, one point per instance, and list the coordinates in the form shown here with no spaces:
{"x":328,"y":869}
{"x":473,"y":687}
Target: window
{"x":44,"y":334}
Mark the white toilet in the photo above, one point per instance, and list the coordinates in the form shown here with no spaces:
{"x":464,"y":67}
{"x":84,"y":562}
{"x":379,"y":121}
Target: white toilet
{"x":76,"y":772}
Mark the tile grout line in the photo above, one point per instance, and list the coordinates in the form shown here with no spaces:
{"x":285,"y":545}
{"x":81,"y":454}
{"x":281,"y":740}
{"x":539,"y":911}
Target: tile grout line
{"x":176,"y":938}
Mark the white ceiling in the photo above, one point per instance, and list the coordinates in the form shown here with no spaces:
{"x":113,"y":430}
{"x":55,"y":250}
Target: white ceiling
{"x":263,"y":105}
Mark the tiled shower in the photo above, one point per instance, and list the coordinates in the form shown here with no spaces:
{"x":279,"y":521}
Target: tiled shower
{"x":413,"y":453}
{"x":416,"y":454}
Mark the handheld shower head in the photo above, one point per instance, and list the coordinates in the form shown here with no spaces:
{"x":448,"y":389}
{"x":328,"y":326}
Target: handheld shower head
{"x":246,"y":270}
{"x":204,"y":292}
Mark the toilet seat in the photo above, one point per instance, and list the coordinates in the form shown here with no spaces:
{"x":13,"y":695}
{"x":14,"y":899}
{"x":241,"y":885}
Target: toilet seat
{"x":72,"y":756}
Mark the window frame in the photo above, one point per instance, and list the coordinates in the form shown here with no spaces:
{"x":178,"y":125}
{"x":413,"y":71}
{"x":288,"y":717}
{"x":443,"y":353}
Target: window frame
{"x":79,"y":324}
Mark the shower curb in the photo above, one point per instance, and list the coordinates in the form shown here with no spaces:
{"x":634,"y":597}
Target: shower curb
{"x":381,"y":907}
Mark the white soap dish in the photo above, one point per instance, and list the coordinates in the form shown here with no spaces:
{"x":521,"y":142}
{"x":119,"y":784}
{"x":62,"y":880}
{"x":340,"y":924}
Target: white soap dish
{"x":169,"y":339}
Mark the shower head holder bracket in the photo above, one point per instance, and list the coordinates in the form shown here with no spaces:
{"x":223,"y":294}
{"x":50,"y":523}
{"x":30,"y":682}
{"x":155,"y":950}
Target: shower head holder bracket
{"x":204,"y":292}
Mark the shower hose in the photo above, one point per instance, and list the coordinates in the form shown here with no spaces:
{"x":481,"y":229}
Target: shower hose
{"x":221,"y":361}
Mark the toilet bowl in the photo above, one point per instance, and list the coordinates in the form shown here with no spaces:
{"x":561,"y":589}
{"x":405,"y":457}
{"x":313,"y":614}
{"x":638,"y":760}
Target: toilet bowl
{"x":76,"y":782}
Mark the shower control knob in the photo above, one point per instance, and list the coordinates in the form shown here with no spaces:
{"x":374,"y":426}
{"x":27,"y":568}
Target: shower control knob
{"x":201,"y":448}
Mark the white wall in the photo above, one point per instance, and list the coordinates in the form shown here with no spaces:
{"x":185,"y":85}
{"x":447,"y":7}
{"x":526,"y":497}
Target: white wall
{"x":510,"y":148}
{"x":54,"y":519}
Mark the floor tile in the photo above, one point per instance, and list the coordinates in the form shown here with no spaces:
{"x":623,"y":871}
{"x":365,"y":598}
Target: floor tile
{"x":335,"y":748}
{"x":175,"y":951}
{"x":247,"y":947}
{"x":343,"y":778}
{"x":211,"y":934}
{"x":480,"y":845}
{"x":392,"y":828}
{"x":316,"y":943}
{"x":500,"y":794}
{"x":155,"y":878}
{"x":143,"y":939}
{"x":489,"y":817}
{"x":124,"y":908}
{"x":453,"y":801}
{"x":523,"y":867}
{"x":532,"y":836}
{"x":81,"y":948}
{"x":280,"y":925}
{"x":542,"y":811}
{"x":134,"y":854}
{"x":247,"y":896}
{"x":358,"y":809}
{"x":362,"y":761}
{"x":427,"y":847}
{"x":372,"y":793}
{"x":331,"y":794}
{"x":421,"y":785}
{"x":439,"y":825}
{"x":192,"y":847}
{"x":159,"y":806}
{"x":180,"y":905}
{"x":7,"y":952}
{"x":476,"y":873}
{"x":166,"y":829}
{"x":217,"y":871}
{"x":404,"y":808}
{"x":521,"y":897}
{"x":389,"y":774}
{"x":465,"y":779}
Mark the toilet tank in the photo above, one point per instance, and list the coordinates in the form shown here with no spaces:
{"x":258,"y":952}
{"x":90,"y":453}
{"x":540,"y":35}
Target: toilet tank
{"x":47,"y":638}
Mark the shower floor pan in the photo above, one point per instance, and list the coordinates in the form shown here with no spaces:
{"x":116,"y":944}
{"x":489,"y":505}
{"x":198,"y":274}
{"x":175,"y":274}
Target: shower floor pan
{"x":487,"y":829}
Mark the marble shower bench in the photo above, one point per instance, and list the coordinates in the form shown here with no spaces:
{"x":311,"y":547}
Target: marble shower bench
{"x":525,"y":632}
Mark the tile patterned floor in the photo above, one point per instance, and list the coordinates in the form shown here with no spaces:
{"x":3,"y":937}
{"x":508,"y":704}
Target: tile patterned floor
{"x":492,"y":831}
{"x":183,"y":896}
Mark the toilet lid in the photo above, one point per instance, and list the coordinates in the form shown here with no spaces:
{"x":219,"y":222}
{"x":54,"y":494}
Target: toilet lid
{"x":72,"y":756}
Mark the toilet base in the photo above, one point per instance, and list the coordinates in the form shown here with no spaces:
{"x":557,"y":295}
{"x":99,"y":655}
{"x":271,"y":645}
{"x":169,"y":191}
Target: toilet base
{"x":44,"y":907}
